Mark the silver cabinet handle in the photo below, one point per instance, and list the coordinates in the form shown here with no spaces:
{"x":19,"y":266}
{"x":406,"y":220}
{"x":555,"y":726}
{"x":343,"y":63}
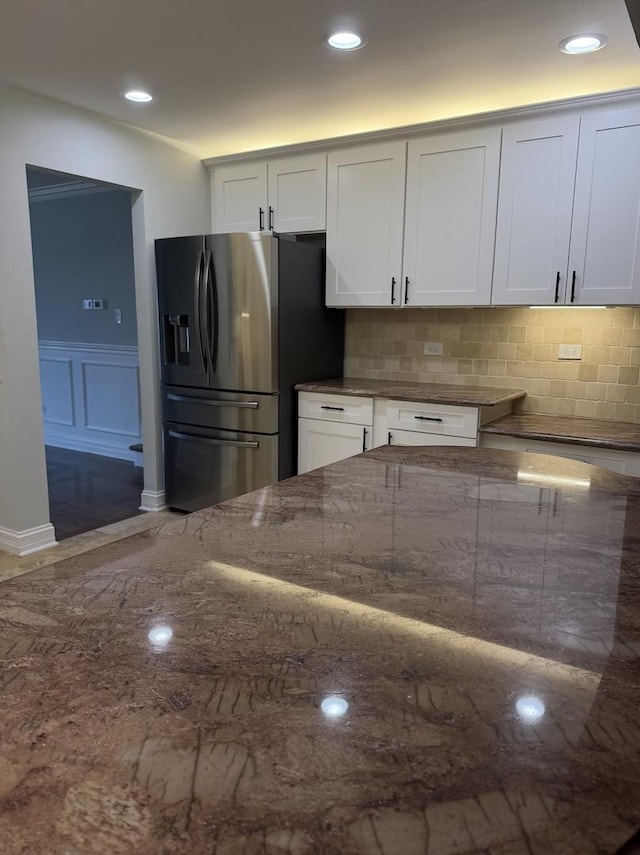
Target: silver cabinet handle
{"x":189,"y":399}
{"x":194,"y":437}
{"x":428,"y":419}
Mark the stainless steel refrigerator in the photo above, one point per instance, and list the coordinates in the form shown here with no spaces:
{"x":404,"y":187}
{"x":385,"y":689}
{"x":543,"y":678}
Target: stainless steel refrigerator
{"x":242,"y":320}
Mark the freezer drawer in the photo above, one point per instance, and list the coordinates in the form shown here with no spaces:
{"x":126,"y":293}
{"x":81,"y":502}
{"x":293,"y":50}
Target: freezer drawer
{"x":204,"y":466}
{"x":215,"y":409}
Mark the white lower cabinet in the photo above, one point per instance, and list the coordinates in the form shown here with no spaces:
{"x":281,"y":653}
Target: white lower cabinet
{"x":623,"y":462}
{"x":333,"y":427}
{"x":321,"y":443}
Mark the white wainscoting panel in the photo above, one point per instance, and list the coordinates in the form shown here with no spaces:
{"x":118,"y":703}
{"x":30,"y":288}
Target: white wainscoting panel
{"x":91,"y":397}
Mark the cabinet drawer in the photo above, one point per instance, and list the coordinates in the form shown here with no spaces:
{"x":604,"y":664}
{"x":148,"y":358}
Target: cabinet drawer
{"x":336,"y":408}
{"x":416,"y":437}
{"x":440,"y":419}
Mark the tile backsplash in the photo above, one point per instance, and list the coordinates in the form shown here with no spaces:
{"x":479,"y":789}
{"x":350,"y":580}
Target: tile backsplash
{"x":516,"y":348}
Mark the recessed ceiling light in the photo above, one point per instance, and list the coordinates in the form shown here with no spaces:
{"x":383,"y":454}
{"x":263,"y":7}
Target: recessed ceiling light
{"x":346,"y":41}
{"x":586,"y":43}
{"x":138,"y":96}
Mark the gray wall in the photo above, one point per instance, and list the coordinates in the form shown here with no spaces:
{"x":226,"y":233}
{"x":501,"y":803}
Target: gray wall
{"x":83,"y":247}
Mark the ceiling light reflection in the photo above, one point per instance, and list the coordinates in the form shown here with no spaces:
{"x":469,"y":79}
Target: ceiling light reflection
{"x":529,"y":708}
{"x":334,"y":706}
{"x":160,"y":635}
{"x":541,"y":479}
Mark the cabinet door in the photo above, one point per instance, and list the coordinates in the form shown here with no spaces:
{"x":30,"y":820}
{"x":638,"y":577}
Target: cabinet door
{"x":365,"y":209}
{"x":537,"y":178}
{"x":452,"y":196}
{"x":321,"y":443}
{"x":240,"y":198}
{"x":298,"y":194}
{"x":605,"y":239}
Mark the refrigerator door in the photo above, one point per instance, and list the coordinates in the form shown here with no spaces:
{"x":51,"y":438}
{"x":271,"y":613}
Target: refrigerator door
{"x":241,"y":287}
{"x":205,"y":466}
{"x":184,"y":346}
{"x":252,"y":412}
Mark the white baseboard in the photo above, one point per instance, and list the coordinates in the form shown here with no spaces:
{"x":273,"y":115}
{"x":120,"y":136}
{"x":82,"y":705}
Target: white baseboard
{"x":153,"y":500}
{"x":91,"y":447}
{"x":27,"y":541}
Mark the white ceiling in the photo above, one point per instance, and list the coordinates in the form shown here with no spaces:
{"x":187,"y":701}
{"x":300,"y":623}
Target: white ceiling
{"x":250,"y":74}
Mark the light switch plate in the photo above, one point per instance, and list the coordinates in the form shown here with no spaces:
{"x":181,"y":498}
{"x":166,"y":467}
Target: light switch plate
{"x":570,"y":351}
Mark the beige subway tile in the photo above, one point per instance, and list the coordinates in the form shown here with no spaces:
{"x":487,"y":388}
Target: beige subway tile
{"x":605,"y":410}
{"x":547,"y":406}
{"x":628,"y":374}
{"x":553,"y":335}
{"x":464,"y":366}
{"x":623,"y":316}
{"x":498,"y":368}
{"x":517,"y":334}
{"x":634,"y":358}
{"x":481,"y":366}
{"x":602,"y":318}
{"x":636,"y":417}
{"x":586,"y":409}
{"x":539,"y":386}
{"x":612,"y":336}
{"x":458,"y":349}
{"x":615,"y":393}
{"x":572,"y":335}
{"x":576,"y":388}
{"x":515,"y":369}
{"x":499,"y":332}
{"x":632,"y":395}
{"x":599,"y":355}
{"x":543,"y":352}
{"x":596,"y":391}
{"x":528,"y":405}
{"x":588,"y":371}
{"x":474,"y":349}
{"x":470,"y":332}
{"x":534,"y":334}
{"x":608,"y":373}
{"x":525,"y":351}
{"x":568,"y":370}
{"x":507,"y":350}
{"x":620,"y":355}
{"x":491,"y":349}
{"x":592,"y":335}
{"x":558,"y":388}
{"x":565,"y":406}
{"x":631,"y":337}
{"x":624,"y":412}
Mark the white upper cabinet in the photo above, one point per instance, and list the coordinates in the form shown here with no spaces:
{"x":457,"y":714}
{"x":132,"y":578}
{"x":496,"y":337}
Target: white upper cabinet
{"x":298,"y":194}
{"x":605,"y":242}
{"x":286,"y":195}
{"x":450,"y":218}
{"x":537,"y":177}
{"x":240,"y":197}
{"x":365,"y":213}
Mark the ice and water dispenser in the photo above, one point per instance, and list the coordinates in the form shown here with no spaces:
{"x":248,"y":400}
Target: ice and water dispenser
{"x":176,"y":339}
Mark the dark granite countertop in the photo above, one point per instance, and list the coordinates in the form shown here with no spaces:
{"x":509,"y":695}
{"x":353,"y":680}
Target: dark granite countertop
{"x":597,"y":432}
{"x":411,"y":651}
{"x":439,"y":393}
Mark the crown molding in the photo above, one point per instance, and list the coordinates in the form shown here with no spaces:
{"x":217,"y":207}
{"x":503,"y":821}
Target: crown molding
{"x":606,"y":99}
{"x":68,"y":189}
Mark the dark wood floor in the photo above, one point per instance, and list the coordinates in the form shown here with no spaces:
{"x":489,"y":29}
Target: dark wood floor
{"x":87,"y":491}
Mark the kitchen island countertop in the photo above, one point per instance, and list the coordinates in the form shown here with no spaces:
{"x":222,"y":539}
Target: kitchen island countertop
{"x":439,"y":393}
{"x":410,"y":651}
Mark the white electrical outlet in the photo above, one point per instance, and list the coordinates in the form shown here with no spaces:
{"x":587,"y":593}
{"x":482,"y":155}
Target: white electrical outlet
{"x":87,"y":304}
{"x":570,"y":351}
{"x":99,"y":303}
{"x":117,"y":313}
{"x":433,"y":348}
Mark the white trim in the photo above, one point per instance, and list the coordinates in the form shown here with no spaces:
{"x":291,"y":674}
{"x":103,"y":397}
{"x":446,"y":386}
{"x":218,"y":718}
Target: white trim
{"x":27,"y":541}
{"x":407,"y":131}
{"x":69,"y":188}
{"x":153,"y":500}
{"x":101,"y":447}
{"x":86,"y":347}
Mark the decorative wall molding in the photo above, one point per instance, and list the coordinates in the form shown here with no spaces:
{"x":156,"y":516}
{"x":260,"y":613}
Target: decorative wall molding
{"x":153,"y":500}
{"x":65,"y":189}
{"x":90,"y":397}
{"x":27,"y":541}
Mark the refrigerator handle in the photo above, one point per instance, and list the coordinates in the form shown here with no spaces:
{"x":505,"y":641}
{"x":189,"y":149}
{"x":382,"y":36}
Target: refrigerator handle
{"x":198,"y":287}
{"x":211,"y":302}
{"x":195,"y":437}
